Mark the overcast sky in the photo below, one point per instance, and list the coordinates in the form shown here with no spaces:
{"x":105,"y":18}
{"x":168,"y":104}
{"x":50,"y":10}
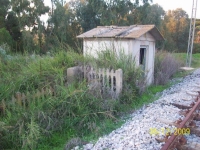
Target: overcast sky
{"x":167,"y":5}
{"x":184,"y":4}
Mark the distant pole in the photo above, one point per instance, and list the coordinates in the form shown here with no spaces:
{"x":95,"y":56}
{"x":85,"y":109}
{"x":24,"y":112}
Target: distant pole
{"x":191,"y":34}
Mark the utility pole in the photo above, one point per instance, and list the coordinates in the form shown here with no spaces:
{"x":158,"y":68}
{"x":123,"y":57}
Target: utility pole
{"x":191,"y":33}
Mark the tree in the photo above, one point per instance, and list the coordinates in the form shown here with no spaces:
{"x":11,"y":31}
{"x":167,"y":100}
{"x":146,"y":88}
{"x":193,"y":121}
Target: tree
{"x":91,"y":13}
{"x":197,"y":31}
{"x":4,"y":6}
{"x":25,"y":15}
{"x":8,"y":25}
{"x":149,"y":14}
{"x":117,"y":12}
{"x":87,"y":13}
{"x":12,"y":26}
{"x":176,"y":29}
{"x":196,"y":47}
{"x":28,"y":12}
{"x":5,"y":37}
{"x":63,"y":26}
{"x":59,"y":20}
{"x":155,"y":15}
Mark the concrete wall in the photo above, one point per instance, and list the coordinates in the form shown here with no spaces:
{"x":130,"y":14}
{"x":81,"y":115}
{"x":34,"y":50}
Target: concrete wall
{"x":98,"y":79}
{"x":129,"y":46}
{"x":149,"y":42}
{"x":95,"y":45}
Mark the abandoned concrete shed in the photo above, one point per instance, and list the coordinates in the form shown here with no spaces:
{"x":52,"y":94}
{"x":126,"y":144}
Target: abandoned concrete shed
{"x":135,"y":40}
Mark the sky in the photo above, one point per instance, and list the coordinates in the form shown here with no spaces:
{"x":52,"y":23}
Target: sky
{"x":184,"y":4}
{"x":166,"y":5}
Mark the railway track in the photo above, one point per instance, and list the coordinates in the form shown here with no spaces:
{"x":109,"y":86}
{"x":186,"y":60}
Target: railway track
{"x":172,"y":122}
{"x":187,"y":126}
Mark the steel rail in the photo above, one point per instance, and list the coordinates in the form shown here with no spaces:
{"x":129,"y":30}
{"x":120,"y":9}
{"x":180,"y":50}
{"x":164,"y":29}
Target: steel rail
{"x":173,"y":137}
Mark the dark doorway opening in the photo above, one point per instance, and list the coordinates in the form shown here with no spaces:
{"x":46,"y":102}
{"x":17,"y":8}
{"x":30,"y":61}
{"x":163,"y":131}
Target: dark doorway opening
{"x":142,"y":56}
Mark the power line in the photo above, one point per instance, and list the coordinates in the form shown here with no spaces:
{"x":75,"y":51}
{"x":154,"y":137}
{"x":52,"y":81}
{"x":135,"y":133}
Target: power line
{"x":191,"y":34}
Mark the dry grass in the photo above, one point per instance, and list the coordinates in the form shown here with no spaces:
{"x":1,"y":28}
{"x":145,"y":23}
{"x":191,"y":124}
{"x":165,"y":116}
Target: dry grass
{"x":166,"y":65}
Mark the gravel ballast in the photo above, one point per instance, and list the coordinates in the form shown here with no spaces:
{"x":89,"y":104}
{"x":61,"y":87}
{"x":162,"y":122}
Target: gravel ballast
{"x":136,"y":133}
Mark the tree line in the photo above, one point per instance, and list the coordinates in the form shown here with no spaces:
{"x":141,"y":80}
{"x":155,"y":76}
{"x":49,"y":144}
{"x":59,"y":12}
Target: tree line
{"x":23,"y":30}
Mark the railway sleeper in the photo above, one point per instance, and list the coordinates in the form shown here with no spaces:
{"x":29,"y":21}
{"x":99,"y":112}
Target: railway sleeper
{"x":176,"y":142}
{"x":196,"y":131}
{"x":181,"y":106}
{"x":197,"y":117}
{"x":196,"y":85}
{"x":189,"y":146}
{"x":181,"y":144}
{"x":165,"y":121}
{"x":192,"y":93}
{"x":189,"y":124}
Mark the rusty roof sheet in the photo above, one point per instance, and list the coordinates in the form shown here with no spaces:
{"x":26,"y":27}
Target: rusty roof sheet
{"x":134,"y":31}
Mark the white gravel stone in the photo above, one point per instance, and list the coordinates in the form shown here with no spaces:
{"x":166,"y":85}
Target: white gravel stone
{"x":76,"y":148}
{"x":135,"y":133}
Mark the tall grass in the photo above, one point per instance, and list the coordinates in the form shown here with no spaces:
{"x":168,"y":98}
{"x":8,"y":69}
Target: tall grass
{"x":131,"y":73}
{"x":195,"y":59}
{"x":23,"y":128}
{"x":74,"y":111}
{"x":27,"y":73}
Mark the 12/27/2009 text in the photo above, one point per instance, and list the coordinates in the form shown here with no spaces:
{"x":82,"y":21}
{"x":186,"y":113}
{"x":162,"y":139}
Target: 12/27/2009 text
{"x":167,"y":131}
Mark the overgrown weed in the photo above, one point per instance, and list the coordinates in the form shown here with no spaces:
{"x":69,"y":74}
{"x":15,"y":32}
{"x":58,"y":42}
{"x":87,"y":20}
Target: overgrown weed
{"x":75,"y":110}
{"x":166,"y":65}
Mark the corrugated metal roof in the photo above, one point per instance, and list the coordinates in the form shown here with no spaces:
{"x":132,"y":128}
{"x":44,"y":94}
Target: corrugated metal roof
{"x":134,"y":31}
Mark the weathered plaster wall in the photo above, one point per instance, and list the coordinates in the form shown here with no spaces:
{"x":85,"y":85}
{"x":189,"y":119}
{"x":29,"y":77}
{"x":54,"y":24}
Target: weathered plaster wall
{"x":132,"y":47}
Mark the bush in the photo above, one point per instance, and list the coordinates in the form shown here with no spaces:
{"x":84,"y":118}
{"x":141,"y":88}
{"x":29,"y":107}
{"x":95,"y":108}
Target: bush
{"x":5,"y":37}
{"x":165,"y":66}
